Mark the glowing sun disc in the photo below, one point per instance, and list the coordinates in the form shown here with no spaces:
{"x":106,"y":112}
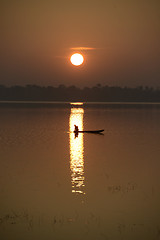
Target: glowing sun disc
{"x":77,"y":59}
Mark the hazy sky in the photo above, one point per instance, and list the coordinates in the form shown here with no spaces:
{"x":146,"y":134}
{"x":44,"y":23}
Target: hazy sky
{"x":37,"y":37}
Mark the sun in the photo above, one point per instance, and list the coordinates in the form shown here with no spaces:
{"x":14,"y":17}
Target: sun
{"x":77,"y":59}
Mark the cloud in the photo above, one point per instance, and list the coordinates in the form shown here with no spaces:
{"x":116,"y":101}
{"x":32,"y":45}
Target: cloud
{"x":83,"y":48}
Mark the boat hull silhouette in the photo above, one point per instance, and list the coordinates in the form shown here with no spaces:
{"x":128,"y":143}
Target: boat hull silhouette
{"x":90,"y":131}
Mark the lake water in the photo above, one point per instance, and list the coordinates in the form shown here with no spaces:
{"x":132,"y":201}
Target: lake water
{"x":54,"y":185}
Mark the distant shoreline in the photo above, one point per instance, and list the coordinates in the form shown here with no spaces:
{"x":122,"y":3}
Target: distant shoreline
{"x":54,"y":104}
{"x":74,"y":103}
{"x":98,"y":93}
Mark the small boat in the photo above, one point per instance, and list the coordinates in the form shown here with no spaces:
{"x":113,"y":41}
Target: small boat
{"x":93,"y":131}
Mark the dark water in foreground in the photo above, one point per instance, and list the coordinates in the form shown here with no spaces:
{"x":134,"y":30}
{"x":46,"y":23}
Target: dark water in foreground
{"x":92,"y":187}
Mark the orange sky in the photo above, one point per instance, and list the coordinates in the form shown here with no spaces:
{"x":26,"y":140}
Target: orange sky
{"x":38,"y":37}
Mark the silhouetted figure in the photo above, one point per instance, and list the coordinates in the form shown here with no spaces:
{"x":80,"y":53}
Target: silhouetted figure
{"x":76,"y":131}
{"x":76,"y":128}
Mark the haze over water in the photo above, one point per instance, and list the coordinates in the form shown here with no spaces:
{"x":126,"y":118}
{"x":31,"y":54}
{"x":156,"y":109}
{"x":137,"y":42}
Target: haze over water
{"x":54,"y":185}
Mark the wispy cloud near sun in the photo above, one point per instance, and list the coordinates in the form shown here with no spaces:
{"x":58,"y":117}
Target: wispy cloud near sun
{"x":83,"y":48}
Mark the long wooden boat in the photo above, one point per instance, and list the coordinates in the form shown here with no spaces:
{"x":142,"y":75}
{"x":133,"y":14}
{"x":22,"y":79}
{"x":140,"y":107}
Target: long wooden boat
{"x":92,"y":131}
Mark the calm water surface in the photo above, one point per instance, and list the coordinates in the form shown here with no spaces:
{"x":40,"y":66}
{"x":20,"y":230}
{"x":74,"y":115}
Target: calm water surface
{"x":54,"y":185}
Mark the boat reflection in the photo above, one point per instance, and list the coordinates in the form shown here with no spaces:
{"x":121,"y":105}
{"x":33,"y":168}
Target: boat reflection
{"x":76,"y":151}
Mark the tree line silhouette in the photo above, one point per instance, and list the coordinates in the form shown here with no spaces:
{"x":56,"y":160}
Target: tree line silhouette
{"x":97,"y":93}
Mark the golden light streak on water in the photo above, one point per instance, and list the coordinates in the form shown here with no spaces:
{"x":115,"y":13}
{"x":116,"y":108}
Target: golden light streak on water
{"x":76,"y":151}
{"x":76,"y":103}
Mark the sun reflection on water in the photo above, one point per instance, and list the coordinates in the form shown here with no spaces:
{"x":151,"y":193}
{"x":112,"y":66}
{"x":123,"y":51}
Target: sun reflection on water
{"x":76,"y":151}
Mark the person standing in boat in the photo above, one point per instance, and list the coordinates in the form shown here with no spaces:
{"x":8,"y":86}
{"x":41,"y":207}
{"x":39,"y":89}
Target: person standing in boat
{"x":75,"y":128}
